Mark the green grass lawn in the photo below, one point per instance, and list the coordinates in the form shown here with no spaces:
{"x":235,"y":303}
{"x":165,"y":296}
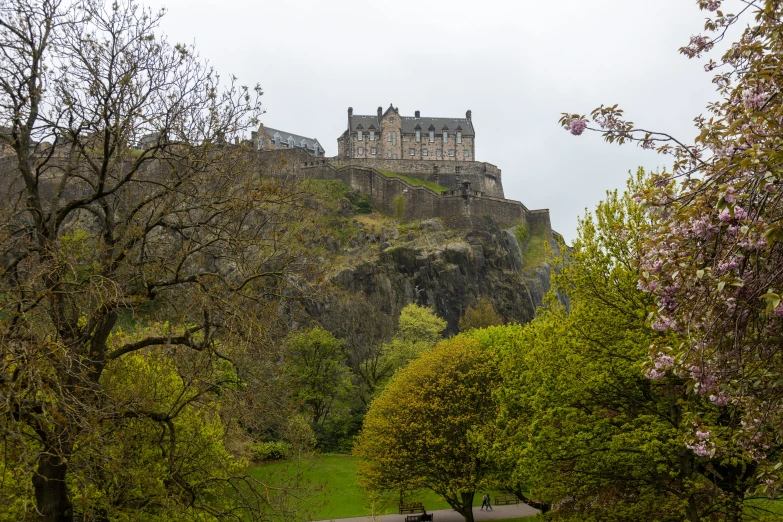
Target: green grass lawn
{"x":414,"y":181}
{"x":340,"y":497}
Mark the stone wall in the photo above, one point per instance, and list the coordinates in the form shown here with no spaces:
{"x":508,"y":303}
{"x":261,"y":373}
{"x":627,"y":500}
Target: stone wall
{"x":461,"y":206}
{"x":484,"y":177}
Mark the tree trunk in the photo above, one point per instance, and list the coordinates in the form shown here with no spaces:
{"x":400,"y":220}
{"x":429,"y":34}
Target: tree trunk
{"x":466,"y":506}
{"x":544,"y":508}
{"x":51,"y":491}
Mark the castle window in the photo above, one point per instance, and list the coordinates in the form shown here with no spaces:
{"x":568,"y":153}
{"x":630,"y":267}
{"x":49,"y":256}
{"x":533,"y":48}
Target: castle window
{"x":290,"y":142}
{"x":459,"y":137}
{"x":466,"y":153}
{"x":359,"y":135}
{"x":438,"y":152}
{"x":388,"y":154}
{"x":457,"y":170}
{"x":360,"y":151}
{"x":373,"y":150}
{"x":412,"y":152}
{"x":394,"y":156}
{"x":445,"y":136}
{"x":432,"y":136}
{"x":425,"y":152}
{"x":372,"y":135}
{"x":261,"y":143}
{"x":315,"y":150}
{"x":451,"y":152}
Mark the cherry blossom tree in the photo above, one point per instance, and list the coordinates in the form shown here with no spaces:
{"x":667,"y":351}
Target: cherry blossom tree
{"x":714,"y":261}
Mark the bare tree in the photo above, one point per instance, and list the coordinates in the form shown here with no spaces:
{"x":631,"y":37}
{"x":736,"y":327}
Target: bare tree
{"x":133,"y":234}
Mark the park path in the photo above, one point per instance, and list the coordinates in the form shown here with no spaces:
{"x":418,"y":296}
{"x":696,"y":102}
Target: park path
{"x":449,"y":515}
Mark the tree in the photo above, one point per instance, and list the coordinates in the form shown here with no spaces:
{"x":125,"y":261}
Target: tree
{"x":423,"y":429}
{"x":581,"y":426}
{"x":315,"y":363}
{"x":177,"y":231}
{"x":418,"y":330}
{"x":714,"y":260}
{"x":482,"y":315}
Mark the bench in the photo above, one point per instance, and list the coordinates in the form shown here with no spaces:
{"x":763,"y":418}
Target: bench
{"x":506,"y":499}
{"x":413,"y":507}
{"x":419,"y":518}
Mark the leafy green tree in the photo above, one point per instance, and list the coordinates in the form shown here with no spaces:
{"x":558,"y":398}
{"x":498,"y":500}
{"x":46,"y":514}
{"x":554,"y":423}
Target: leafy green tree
{"x":137,"y":209}
{"x":481,"y":315}
{"x":315,"y":362}
{"x":418,"y":330}
{"x":713,"y":261}
{"x":581,"y":425}
{"x":423,"y":430}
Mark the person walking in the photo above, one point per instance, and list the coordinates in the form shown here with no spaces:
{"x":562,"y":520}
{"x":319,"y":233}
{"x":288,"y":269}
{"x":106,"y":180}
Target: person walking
{"x":485,"y":502}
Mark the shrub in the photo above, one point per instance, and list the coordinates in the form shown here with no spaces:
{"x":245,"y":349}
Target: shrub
{"x":399,"y":206}
{"x":361,"y":203}
{"x":263,"y":451}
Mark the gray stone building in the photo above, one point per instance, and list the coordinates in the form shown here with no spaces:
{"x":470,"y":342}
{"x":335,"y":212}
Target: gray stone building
{"x":267,"y":138}
{"x":387,"y":135}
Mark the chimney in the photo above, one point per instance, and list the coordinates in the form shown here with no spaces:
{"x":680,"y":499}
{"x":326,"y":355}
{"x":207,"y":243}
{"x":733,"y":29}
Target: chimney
{"x":380,"y":111}
{"x":468,"y":116}
{"x":418,"y":114}
{"x":350,"y":111}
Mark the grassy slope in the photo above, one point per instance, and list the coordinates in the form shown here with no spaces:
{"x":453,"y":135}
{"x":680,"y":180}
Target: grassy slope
{"x":414,"y":181}
{"x":340,"y":496}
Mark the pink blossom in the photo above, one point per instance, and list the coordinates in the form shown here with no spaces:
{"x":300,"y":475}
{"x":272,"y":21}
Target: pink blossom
{"x":655,"y":375}
{"x":740,"y":213}
{"x":779,"y":310}
{"x":664,"y":362}
{"x":577,"y":126}
{"x":703,"y":435}
{"x":730,"y":197}
{"x":724,"y":215}
{"x":713,"y":5}
{"x":719,"y":400}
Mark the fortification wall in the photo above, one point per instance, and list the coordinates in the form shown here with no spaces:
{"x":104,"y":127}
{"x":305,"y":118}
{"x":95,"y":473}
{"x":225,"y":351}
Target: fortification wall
{"x":483,"y":177}
{"x":458,"y":207}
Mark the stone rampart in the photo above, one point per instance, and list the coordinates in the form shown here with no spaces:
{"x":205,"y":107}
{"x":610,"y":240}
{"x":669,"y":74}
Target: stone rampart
{"x":483,"y":177}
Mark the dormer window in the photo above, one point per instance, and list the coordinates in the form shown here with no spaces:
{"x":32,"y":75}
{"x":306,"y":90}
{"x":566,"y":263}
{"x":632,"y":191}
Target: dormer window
{"x":459,"y":137}
{"x":432,"y":136}
{"x":445,"y":136}
{"x":372,"y":135}
{"x":418,"y":135}
{"x":359,"y":135}
{"x":290,"y":142}
{"x":315,"y":150}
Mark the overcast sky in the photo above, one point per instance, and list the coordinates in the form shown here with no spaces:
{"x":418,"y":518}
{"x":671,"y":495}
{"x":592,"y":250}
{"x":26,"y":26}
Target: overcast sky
{"x":516,"y":64}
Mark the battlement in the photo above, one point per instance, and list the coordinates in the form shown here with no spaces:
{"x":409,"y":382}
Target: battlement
{"x":461,"y":205}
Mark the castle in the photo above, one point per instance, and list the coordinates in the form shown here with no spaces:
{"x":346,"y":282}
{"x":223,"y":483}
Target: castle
{"x":391,"y":136}
{"x":379,"y":155}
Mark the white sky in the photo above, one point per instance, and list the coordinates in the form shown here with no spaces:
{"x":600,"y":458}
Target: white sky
{"x":516,"y":64}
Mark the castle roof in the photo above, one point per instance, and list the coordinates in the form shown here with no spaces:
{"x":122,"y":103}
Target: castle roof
{"x":409,"y":124}
{"x":311,"y":142}
{"x":365,"y":121}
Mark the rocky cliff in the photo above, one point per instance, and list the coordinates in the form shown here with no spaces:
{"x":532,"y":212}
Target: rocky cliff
{"x":447,"y":269}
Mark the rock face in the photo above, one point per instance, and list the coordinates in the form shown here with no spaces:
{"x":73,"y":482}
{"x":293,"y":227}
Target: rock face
{"x":449,"y":270}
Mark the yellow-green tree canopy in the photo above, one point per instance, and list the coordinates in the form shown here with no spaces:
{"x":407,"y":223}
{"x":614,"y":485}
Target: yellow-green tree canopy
{"x":423,"y":430}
